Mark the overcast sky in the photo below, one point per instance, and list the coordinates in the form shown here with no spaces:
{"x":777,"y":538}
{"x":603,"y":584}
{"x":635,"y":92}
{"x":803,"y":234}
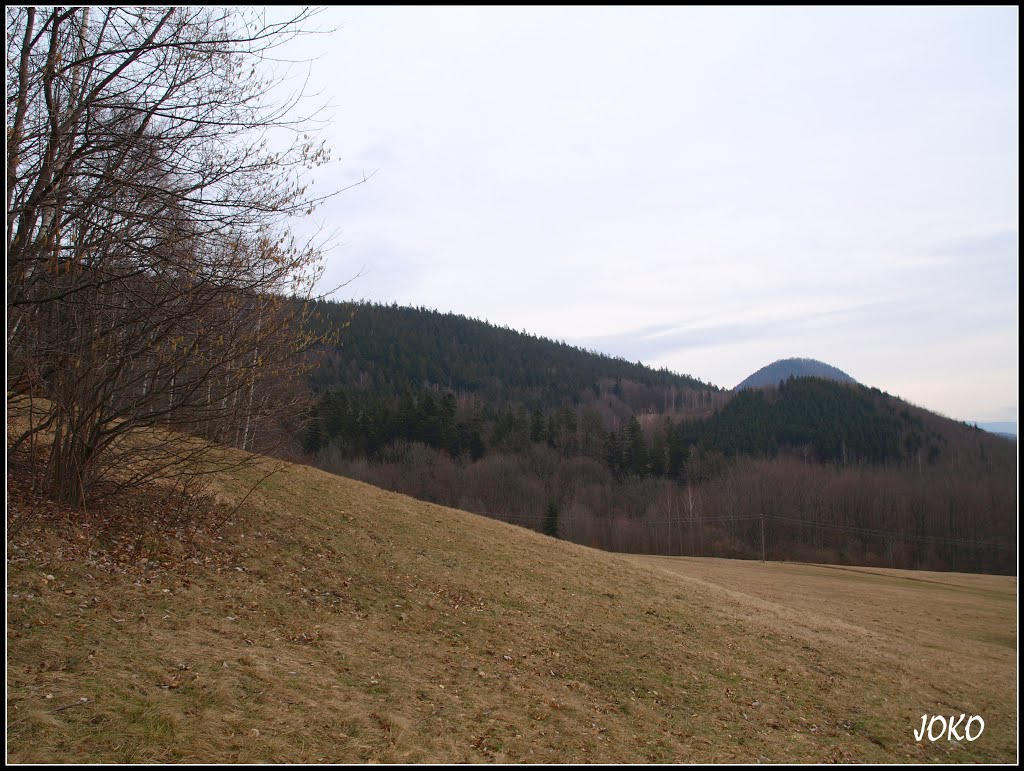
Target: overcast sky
{"x":703,"y":189}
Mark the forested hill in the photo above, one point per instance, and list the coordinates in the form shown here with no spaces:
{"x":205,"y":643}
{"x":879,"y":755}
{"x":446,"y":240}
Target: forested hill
{"x":388,"y":350}
{"x":783,"y":369}
{"x":619,"y":456}
{"x":834,"y":421}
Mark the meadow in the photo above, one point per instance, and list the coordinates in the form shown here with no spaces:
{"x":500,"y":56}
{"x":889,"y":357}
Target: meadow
{"x":330,"y":621}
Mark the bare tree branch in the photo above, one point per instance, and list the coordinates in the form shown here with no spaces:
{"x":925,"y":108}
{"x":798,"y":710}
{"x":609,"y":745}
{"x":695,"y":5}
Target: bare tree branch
{"x":152,"y":279}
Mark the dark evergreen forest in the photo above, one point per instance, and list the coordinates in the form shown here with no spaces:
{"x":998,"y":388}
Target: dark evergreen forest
{"x":620,"y":456}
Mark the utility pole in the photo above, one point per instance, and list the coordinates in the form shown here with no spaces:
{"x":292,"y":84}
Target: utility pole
{"x":762,"y":536}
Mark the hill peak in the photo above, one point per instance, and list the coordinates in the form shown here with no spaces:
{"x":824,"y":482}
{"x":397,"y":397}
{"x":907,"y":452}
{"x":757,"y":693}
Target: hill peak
{"x":783,"y":369}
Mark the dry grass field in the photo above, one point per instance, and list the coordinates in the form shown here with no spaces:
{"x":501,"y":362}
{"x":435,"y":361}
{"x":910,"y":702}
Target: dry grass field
{"x":330,"y":621}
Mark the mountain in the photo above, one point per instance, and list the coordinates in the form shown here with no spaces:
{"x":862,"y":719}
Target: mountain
{"x":783,"y":369}
{"x":1005,"y":428}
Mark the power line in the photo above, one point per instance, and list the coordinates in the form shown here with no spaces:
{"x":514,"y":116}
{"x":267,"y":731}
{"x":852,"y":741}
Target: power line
{"x":516,"y":519}
{"x":945,"y":540}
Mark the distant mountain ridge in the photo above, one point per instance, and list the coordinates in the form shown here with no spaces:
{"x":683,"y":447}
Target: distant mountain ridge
{"x":783,"y":369}
{"x":1006,"y":428}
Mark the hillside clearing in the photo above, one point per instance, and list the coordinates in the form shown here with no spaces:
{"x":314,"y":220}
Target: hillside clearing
{"x":336,"y":622}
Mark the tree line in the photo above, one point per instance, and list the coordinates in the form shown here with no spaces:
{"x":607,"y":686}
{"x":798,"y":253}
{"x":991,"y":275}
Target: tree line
{"x":819,"y":419}
{"x":388,"y":349}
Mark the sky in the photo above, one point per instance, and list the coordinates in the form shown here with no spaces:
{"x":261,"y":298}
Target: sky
{"x":702,"y":189}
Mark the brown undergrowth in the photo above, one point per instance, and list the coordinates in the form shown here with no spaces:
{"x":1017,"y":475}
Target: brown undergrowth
{"x":152,"y":526}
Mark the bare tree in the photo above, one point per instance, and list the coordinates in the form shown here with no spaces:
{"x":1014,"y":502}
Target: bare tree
{"x":152,"y":280}
{"x":691,"y":504}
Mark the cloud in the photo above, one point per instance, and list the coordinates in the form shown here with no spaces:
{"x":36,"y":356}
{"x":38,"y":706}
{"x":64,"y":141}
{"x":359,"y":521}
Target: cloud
{"x":660,"y":340}
{"x":999,"y":246}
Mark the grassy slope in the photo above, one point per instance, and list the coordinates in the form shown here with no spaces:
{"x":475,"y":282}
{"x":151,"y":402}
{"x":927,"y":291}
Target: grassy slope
{"x":336,"y":622}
